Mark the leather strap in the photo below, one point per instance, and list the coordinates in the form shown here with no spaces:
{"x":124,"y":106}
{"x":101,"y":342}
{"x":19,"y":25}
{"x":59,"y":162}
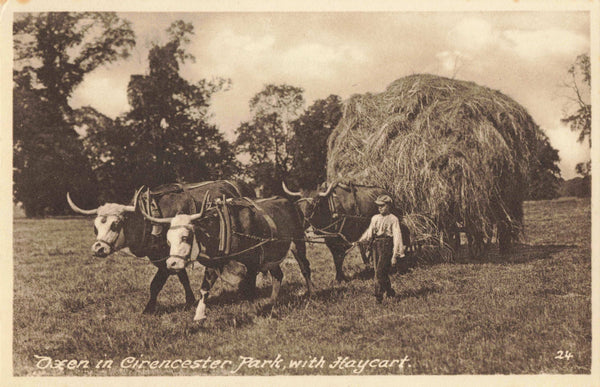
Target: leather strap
{"x":266,"y":217}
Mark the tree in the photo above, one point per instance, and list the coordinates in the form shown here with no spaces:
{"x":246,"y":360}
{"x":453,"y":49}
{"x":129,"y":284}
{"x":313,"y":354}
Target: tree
{"x":166,"y":136}
{"x":53,"y":52}
{"x":311,"y":131}
{"x":544,"y":172}
{"x":579,"y":116}
{"x":57,"y":49}
{"x":268,"y":137}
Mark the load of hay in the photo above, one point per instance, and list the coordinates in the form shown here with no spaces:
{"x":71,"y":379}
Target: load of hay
{"x":449,"y":151}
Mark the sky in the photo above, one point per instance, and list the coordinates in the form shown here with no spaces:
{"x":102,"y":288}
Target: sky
{"x":524,"y":54}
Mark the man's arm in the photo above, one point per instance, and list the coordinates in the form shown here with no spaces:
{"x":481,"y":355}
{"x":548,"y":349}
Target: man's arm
{"x":368,"y":234}
{"x":397,"y":237}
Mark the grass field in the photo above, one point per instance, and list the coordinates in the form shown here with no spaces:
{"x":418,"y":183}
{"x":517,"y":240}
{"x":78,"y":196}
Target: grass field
{"x":527,"y":313}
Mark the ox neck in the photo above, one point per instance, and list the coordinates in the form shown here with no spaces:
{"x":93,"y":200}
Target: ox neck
{"x":206,"y":233}
{"x":322,"y":214}
{"x":137,"y":234}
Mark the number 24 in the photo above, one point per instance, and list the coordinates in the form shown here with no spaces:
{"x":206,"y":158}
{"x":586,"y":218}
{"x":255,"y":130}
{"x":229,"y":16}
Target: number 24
{"x":563,"y":355}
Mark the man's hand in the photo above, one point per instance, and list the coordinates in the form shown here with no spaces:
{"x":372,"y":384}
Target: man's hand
{"x":396,"y":257}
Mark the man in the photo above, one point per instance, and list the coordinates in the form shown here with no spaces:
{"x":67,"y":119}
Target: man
{"x":386,"y":245}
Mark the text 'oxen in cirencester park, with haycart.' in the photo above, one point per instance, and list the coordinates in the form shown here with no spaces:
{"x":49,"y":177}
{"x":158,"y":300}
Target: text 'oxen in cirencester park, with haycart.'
{"x":257,"y":234}
{"x":119,"y":226}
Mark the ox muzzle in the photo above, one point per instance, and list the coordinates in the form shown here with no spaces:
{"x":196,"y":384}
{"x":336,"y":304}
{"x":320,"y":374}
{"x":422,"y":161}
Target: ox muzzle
{"x":177,"y":262}
{"x":101,"y":249}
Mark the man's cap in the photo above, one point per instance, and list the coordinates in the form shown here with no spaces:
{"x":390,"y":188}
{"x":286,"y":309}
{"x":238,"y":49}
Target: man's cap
{"x":383,"y":199}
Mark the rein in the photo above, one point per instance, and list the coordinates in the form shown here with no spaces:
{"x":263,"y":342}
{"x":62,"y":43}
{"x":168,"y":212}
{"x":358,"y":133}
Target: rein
{"x":110,"y":244}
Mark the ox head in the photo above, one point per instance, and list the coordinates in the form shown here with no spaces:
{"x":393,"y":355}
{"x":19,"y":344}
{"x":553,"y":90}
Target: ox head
{"x":183,"y":244}
{"x":313,"y":204}
{"x":108,"y":226}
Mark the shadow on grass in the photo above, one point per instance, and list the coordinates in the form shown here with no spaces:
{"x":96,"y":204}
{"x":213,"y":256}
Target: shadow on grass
{"x":223,"y":320}
{"x":172,"y":308}
{"x":520,"y":253}
{"x":245,"y":310}
{"x":364,"y":275}
{"x":419,"y":292}
{"x":332,"y":294}
{"x":232,"y":297}
{"x":247,"y":313}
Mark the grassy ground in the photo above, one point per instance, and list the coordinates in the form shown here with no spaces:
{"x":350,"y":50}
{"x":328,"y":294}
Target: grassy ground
{"x":495,"y":315}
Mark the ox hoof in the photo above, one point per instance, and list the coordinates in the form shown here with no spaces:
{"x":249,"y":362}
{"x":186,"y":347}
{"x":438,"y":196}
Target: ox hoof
{"x":150,"y":309}
{"x":341,"y":279}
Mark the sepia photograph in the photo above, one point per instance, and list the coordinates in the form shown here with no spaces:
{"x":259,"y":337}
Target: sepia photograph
{"x":242,"y":190}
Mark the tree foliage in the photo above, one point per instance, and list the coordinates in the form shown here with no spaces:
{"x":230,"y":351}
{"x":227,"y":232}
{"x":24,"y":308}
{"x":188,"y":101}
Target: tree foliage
{"x":166,"y":136}
{"x":311,"y":131}
{"x":544,"y":172}
{"x":579,"y":114}
{"x":579,"y":118}
{"x":268,"y":138}
{"x":53,"y":52}
{"x":58,"y":48}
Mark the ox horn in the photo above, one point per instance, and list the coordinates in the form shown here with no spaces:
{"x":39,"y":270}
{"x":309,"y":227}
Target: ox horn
{"x":77,"y":209}
{"x":153,"y":219}
{"x":287,"y":191}
{"x":204,"y":201}
{"x":329,"y":189}
{"x":156,"y":220}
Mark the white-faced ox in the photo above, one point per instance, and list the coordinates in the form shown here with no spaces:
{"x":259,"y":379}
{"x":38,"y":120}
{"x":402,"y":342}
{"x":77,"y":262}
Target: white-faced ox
{"x":260,"y":235}
{"x":118,"y":226}
{"x":341,"y":214}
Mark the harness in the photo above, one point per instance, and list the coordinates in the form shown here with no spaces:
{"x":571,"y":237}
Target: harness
{"x":335,"y":229}
{"x":226,"y":232}
{"x":148,"y":200}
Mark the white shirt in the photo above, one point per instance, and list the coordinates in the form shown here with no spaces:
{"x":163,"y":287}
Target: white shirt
{"x":387,"y":225}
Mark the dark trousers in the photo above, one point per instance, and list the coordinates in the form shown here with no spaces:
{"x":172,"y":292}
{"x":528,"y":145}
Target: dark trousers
{"x":382,"y":250}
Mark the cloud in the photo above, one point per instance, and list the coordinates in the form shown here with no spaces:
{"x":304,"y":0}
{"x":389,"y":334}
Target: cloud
{"x":476,"y":35}
{"x":472,"y":34}
{"x":104,"y":90}
{"x":315,"y":60}
{"x":538,"y":44}
{"x":452,"y":61}
{"x":229,"y":40}
{"x":265,"y":57}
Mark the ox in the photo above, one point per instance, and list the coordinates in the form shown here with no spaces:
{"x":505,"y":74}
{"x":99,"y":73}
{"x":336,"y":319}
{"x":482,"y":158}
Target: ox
{"x":257,"y":234}
{"x":118,"y":226}
{"x":341,"y":214}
